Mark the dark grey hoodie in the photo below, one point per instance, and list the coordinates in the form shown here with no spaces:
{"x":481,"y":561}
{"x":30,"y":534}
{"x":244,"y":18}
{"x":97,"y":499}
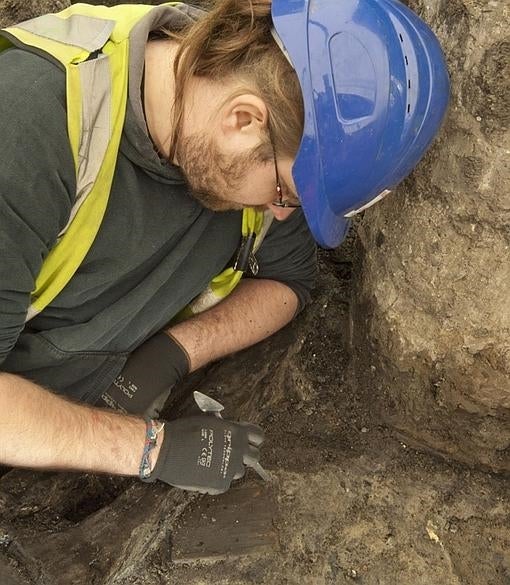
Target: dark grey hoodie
{"x":157,"y":247}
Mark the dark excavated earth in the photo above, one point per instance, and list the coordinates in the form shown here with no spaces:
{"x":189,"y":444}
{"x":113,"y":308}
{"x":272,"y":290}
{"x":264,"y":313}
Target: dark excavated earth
{"x":350,"y":501}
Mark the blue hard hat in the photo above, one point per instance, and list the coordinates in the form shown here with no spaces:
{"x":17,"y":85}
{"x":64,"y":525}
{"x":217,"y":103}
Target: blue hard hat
{"x":375,"y":90}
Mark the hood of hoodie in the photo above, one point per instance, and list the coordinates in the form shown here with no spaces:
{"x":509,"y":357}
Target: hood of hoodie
{"x":137,"y":144}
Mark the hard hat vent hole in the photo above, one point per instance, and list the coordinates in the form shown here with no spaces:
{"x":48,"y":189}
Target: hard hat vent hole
{"x":409,"y":80}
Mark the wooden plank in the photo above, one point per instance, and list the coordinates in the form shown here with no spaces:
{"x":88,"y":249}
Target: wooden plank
{"x":237,"y":523}
{"x":110,"y":544}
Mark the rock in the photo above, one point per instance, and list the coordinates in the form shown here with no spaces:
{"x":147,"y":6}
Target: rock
{"x":432,"y":287}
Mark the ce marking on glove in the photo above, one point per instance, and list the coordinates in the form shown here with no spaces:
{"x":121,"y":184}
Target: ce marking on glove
{"x":207,"y":442}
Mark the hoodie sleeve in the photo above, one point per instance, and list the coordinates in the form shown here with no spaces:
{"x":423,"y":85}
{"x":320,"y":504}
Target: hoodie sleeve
{"x":288,"y":254}
{"x":37,"y":180}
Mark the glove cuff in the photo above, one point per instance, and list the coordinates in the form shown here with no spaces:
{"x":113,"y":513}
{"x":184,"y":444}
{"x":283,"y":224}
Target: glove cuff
{"x":175,"y":358}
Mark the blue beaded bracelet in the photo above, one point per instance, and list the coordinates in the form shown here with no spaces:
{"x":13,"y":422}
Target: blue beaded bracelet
{"x":152,"y":430}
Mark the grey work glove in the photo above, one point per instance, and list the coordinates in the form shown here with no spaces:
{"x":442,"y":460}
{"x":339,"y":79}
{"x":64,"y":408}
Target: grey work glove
{"x":148,"y":376}
{"x":204,"y":453}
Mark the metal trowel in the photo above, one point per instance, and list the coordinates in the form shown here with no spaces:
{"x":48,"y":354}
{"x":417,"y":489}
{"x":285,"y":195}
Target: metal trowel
{"x":211,"y":406}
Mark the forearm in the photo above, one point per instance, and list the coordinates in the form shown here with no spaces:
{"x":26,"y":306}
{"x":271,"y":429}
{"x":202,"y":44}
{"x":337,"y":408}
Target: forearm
{"x":255,"y":310}
{"x":39,"y":429}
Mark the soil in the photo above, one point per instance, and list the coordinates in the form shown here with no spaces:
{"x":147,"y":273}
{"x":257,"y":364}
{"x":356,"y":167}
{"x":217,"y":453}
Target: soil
{"x":351,"y":502}
{"x":431,"y":290}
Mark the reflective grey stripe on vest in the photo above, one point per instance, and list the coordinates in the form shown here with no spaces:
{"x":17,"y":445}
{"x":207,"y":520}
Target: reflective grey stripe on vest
{"x":90,"y":34}
{"x":85,"y":32}
{"x":95,"y":127}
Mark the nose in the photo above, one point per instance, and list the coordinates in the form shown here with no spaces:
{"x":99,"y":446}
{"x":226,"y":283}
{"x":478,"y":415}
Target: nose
{"x":281,"y":213}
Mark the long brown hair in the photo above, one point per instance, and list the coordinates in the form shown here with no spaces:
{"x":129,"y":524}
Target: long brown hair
{"x":234,"y":40}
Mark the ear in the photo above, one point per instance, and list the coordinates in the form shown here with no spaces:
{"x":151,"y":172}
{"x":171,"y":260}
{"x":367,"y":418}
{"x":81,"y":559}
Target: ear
{"x":243,"y":120}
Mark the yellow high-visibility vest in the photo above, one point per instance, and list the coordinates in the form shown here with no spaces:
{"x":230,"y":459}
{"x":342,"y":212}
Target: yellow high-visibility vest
{"x":96,"y":97}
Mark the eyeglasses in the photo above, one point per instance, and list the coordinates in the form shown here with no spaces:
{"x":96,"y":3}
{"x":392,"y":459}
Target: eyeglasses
{"x":279,"y":202}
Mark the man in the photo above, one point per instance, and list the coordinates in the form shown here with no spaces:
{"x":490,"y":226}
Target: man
{"x":115,"y":229}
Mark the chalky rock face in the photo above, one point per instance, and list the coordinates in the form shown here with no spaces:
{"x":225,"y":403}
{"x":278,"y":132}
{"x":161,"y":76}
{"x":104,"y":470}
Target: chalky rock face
{"x":431,"y":315}
{"x":14,"y":11}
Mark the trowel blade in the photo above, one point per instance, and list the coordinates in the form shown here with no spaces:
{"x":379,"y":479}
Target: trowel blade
{"x":206,"y":403}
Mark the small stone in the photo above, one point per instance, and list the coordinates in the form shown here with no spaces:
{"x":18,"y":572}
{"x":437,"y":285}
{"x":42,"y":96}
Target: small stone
{"x":352,"y":573}
{"x":478,"y":119}
{"x":5,"y":539}
{"x":364,"y":430}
